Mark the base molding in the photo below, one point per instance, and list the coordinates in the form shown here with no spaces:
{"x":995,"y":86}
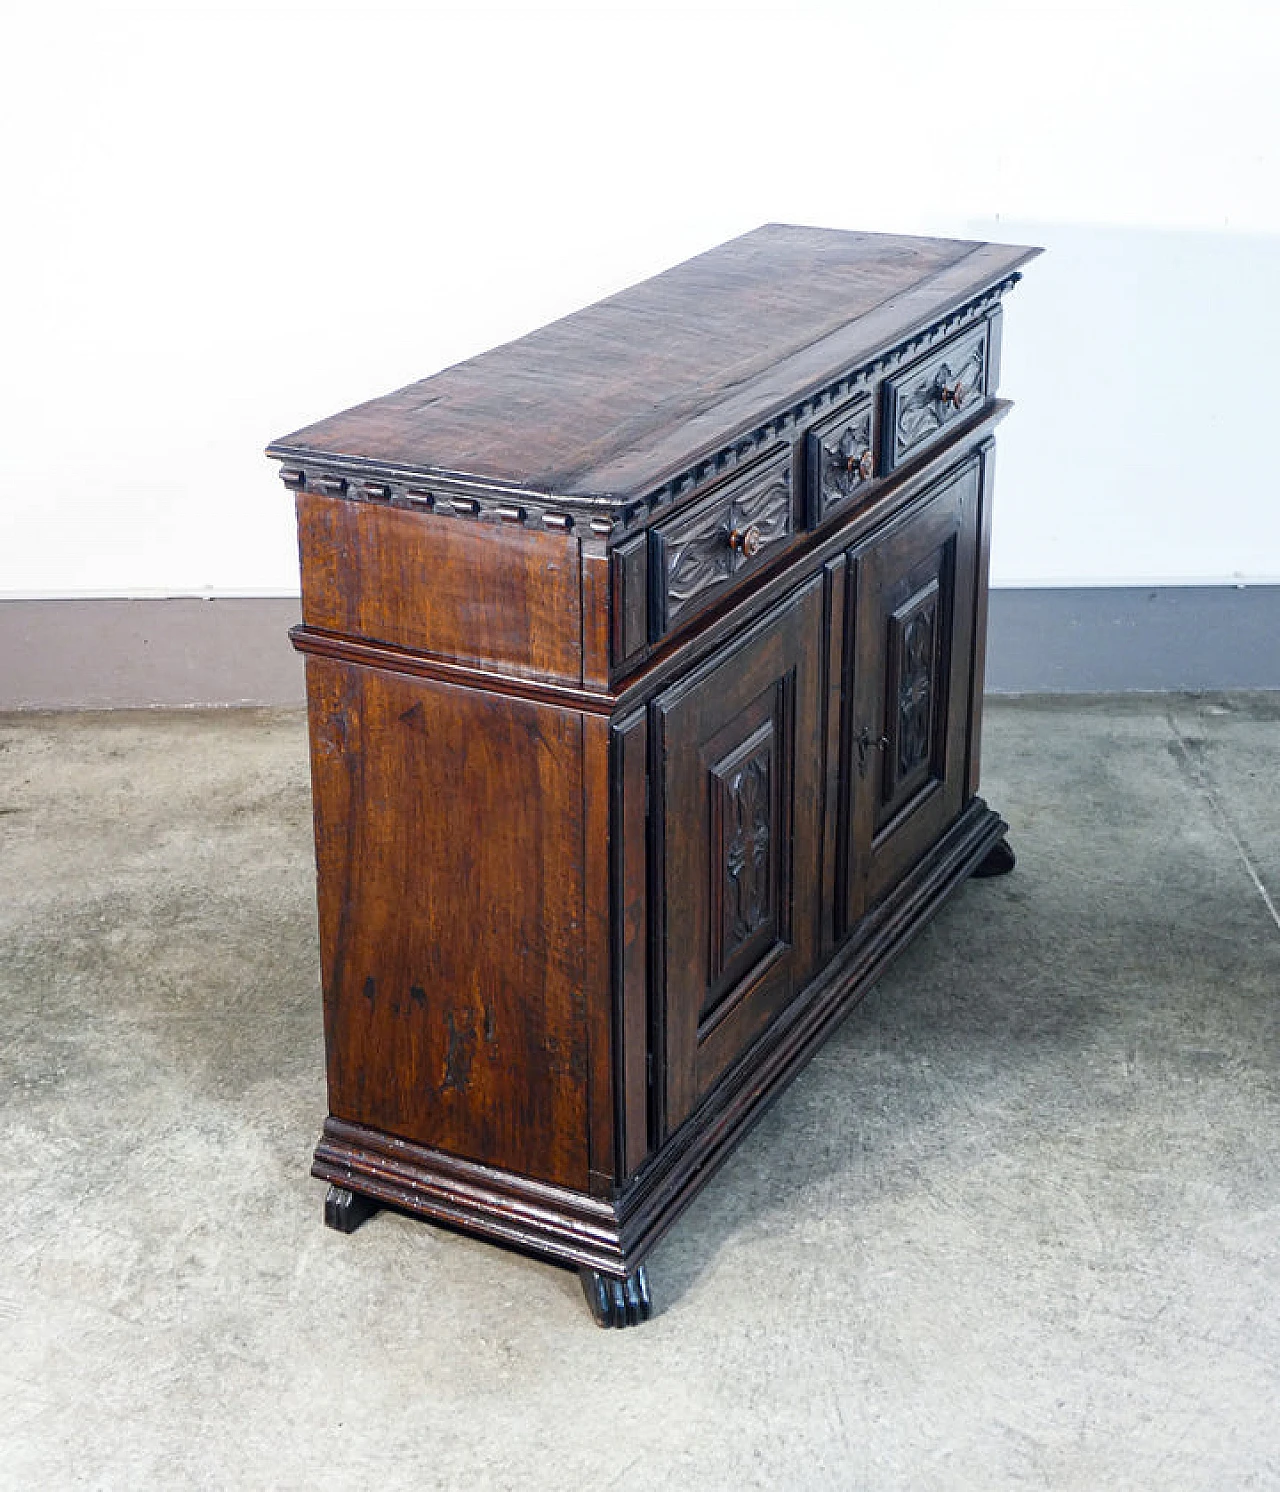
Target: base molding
{"x":613,"y":1237}
{"x":555,"y":1222}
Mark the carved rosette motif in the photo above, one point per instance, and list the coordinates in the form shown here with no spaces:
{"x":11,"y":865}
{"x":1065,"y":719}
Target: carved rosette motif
{"x":841,"y":454}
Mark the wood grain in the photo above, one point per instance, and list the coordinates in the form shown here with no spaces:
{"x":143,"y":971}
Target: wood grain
{"x":464,"y":591}
{"x":449,"y":837}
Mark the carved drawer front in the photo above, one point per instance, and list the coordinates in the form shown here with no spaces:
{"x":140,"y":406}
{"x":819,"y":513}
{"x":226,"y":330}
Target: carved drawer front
{"x":840,"y":459}
{"x":920,"y":403}
{"x":702,"y":553}
{"x":738,"y":844}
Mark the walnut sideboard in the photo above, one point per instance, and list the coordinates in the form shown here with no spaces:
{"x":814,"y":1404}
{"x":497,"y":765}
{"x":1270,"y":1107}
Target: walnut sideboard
{"x":644,"y":671}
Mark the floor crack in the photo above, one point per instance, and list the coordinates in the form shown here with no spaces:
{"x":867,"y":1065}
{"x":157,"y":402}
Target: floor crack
{"x":1210,"y":795}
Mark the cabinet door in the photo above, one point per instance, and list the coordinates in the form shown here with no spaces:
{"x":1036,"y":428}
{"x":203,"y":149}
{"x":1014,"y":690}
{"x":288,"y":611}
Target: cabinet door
{"x":737,"y":845}
{"x":912,"y":599}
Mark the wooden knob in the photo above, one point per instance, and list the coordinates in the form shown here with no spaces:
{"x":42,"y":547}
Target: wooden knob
{"x":746,"y":541}
{"x":954,"y":393}
{"x":863,"y":466}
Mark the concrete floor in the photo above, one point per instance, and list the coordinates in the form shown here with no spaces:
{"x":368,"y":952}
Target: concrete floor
{"x":1017,"y":1225}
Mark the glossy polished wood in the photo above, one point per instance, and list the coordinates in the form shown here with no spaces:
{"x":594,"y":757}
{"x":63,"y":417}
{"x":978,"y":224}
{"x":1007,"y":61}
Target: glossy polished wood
{"x":644,"y":665}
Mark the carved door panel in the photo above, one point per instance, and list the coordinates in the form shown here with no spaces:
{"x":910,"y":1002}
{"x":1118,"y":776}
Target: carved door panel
{"x":737,"y":846}
{"x":912,"y":599}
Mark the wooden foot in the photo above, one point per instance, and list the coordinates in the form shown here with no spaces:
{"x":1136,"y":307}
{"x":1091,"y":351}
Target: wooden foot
{"x":346,"y":1210}
{"x":616,"y":1302}
{"x":999,"y":861}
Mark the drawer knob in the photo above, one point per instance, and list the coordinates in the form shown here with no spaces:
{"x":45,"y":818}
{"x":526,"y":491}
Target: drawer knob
{"x":954,"y":393}
{"x":747,"y":541}
{"x":862,"y":466}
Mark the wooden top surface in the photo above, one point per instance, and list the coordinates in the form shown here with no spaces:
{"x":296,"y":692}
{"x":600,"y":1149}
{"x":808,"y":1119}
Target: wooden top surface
{"x":608,"y":402}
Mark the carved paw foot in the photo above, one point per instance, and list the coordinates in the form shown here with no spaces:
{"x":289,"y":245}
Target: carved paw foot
{"x":346,"y":1210}
{"x":999,"y":860}
{"x":616,"y":1302}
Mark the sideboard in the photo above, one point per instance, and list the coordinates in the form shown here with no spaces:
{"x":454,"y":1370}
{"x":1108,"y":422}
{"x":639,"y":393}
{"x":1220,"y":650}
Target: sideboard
{"x":644,"y":666}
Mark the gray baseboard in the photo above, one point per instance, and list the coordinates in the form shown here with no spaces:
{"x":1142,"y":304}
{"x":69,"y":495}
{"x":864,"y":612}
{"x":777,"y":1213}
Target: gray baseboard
{"x":1128,"y":639}
{"x":116,"y":654}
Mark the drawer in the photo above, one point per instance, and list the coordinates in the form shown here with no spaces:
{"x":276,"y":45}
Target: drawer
{"x":840,"y":459}
{"x":699,"y":555}
{"x":921,"y":402}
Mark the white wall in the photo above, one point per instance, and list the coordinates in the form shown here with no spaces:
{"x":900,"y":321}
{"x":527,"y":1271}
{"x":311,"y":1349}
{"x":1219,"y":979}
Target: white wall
{"x":219,"y":225}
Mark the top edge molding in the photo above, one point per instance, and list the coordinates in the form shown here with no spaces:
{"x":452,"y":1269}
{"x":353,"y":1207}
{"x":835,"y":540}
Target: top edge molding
{"x":607,"y":516}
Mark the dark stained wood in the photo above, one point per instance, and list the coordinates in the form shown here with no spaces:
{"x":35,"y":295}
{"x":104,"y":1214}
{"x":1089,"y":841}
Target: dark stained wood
{"x":987,"y":455}
{"x":834,"y":626}
{"x":449,"y":849}
{"x":345,"y":1211}
{"x":463,"y":591}
{"x":631,"y":924}
{"x":840,"y":456}
{"x":621,"y":805}
{"x":617,"y":1302}
{"x":596,"y":628}
{"x":995,"y":335}
{"x":597,"y":973}
{"x":716,"y":542}
{"x":630,"y":598}
{"x":906,"y":749}
{"x":663,"y":662}
{"x":563,"y":1223}
{"x":740,"y":778}
{"x":998,"y":861}
{"x":922,"y":400}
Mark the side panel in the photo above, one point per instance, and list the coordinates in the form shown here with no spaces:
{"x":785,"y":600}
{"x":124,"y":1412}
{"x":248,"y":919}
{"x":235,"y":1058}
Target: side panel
{"x":981,"y":601}
{"x":449,"y":848}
